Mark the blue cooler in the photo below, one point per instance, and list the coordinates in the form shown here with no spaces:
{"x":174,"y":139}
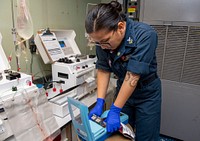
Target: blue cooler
{"x":87,"y":129}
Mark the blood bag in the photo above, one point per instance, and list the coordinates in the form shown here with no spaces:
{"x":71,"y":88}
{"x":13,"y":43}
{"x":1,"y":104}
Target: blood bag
{"x":24,"y":20}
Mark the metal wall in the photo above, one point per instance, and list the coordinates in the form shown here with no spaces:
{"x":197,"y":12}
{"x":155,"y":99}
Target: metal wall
{"x":169,"y":11}
{"x":178,"y":54}
{"x":181,"y":106}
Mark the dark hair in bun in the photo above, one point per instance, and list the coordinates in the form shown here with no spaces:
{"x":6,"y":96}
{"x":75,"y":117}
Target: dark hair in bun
{"x":116,"y":5}
{"x":104,"y":16}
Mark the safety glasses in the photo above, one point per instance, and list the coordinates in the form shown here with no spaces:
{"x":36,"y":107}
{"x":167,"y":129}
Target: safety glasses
{"x":105,"y":43}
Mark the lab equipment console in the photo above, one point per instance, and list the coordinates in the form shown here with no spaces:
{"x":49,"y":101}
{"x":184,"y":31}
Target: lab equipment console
{"x":69,"y":66}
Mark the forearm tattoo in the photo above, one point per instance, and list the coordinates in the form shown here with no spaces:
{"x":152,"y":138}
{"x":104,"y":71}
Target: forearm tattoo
{"x":132,"y":78}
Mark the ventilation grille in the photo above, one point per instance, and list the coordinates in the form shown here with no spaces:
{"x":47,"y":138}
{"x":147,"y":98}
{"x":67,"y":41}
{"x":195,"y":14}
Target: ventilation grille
{"x":161,"y":31}
{"x":174,"y":54}
{"x":191,"y":72}
{"x":178,"y":53}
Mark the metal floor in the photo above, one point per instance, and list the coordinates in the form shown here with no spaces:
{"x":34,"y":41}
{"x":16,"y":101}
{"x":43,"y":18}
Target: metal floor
{"x":166,"y":138}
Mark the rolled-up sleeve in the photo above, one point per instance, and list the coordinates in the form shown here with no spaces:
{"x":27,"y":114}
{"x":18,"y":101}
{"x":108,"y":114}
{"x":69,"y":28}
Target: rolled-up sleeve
{"x":102,"y":60}
{"x":141,"y":59}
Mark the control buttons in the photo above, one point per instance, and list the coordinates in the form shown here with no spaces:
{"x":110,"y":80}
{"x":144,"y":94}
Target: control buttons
{"x":61,"y":90}
{"x":54,"y":89}
{"x":13,"y":75}
{"x":28,"y":82}
{"x":77,"y":67}
{"x":14,"y":88}
{"x":61,"y":60}
{"x":65,"y":60}
{"x":47,"y":94}
{"x":77,"y":60}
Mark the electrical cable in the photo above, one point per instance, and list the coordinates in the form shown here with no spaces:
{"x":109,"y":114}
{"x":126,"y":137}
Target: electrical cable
{"x":31,"y":65}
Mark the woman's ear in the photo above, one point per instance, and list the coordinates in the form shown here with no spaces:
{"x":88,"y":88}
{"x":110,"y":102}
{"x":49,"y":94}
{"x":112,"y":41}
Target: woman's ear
{"x":121,"y":27}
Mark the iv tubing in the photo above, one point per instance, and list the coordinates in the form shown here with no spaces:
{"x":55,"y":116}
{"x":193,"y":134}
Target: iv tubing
{"x":14,"y":32}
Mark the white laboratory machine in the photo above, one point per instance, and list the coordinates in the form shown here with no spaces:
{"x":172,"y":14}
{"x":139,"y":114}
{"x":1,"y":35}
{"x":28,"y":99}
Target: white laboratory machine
{"x":70,"y":69}
{"x":24,"y":109}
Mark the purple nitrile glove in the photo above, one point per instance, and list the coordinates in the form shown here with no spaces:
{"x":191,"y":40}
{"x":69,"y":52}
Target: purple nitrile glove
{"x":98,"y":108}
{"x":113,"y":119}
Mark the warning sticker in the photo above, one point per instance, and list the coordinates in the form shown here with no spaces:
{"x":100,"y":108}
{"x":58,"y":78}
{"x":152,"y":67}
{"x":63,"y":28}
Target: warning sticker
{"x":131,"y":10}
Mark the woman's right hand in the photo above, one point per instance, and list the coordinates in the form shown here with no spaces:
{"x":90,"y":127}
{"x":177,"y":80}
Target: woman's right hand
{"x":98,"y":108}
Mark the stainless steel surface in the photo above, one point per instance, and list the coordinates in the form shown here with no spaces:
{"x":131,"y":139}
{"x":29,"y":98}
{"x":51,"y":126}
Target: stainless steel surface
{"x":178,"y":55}
{"x":180,"y":117}
{"x":158,"y":11}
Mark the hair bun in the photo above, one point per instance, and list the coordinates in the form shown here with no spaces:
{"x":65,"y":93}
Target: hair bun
{"x":116,"y":5}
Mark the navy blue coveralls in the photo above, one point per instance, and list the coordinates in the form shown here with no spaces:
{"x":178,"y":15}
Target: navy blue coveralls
{"x":136,"y":54}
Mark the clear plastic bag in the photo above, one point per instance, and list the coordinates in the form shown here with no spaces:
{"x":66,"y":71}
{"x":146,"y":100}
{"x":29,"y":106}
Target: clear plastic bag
{"x":31,"y":110}
{"x":24,"y":20}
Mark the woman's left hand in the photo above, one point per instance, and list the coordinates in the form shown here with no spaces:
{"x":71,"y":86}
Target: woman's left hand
{"x":113,"y":119}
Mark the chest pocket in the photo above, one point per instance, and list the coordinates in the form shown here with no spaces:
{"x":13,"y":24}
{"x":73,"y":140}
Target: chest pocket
{"x":119,"y":67}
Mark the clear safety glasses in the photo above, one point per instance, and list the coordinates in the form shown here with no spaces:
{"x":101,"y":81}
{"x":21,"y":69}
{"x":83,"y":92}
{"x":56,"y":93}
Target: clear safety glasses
{"x":105,"y":43}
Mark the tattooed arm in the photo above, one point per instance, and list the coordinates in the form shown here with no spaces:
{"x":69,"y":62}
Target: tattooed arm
{"x":127,"y":88}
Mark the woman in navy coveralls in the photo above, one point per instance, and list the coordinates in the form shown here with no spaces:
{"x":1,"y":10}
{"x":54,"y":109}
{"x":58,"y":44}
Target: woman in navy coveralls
{"x":128,"y":49}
